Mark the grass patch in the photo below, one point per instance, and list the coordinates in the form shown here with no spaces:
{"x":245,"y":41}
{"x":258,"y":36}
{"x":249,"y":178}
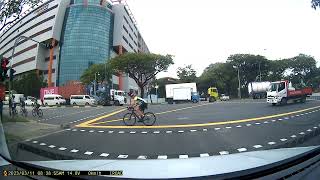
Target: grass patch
{"x":17,"y":118}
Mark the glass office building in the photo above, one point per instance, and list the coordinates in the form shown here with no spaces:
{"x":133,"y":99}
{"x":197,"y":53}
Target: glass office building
{"x":86,"y":38}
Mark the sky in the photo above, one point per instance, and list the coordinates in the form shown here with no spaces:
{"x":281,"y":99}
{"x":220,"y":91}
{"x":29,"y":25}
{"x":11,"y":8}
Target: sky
{"x":209,"y":31}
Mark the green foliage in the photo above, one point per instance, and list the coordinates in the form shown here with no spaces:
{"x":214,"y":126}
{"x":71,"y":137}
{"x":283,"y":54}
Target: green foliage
{"x":10,"y":10}
{"x":29,"y":84}
{"x":186,"y":74}
{"x":103,"y":70}
{"x":142,"y":68}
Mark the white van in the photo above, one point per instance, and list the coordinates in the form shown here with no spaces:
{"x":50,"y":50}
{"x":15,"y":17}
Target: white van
{"x":53,"y":99}
{"x":82,"y":100}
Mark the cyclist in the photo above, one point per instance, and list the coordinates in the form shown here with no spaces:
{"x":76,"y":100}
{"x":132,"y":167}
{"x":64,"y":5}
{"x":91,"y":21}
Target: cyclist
{"x":22,"y":104}
{"x":36,"y":104}
{"x":13,"y":104}
{"x":139,"y":104}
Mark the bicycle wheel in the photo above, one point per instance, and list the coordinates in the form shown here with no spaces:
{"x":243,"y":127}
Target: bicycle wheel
{"x":40,"y":113}
{"x":149,"y":119}
{"x":34,"y":113}
{"x":129,"y":119}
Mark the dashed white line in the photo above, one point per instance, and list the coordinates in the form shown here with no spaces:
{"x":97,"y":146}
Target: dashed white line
{"x":257,"y":146}
{"x":284,"y":139}
{"x":293,"y":136}
{"x":180,"y":131}
{"x":193,"y":130}
{"x":62,"y":148}
{"x":216,"y":128}
{"x":88,"y":153}
{"x":100,"y":131}
{"x":223,"y":152}
{"x":242,"y":149}
{"x":156,"y":132}
{"x":132,"y":132}
{"x":297,"y":115}
{"x":34,"y":142}
{"x":91,"y":131}
{"x":292,"y":116}
{"x":309,"y":130}
{"x":74,"y":130}
{"x":142,"y":157}
{"x":315,"y":127}
{"x":43,"y":144}
{"x":228,"y":127}
{"x":205,"y":129}
{"x":168,"y":131}
{"x":121,"y":132}
{"x":183,"y":156}
{"x":74,"y":150}
{"x":239,"y":126}
{"x":302,"y":133}
{"x":271,"y":143}
{"x":51,"y":146}
{"x":82,"y":130}
{"x":273,"y":120}
{"x":104,"y":155}
{"x":162,"y":157}
{"x":266,"y":122}
{"x":280,"y":119}
{"x":28,"y":140}
{"x":144,"y":132}
{"x":257,"y":123}
{"x":204,"y":155}
{"x":248,"y":124}
{"x":110,"y":132}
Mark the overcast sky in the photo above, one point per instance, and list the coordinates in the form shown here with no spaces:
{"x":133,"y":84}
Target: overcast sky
{"x":208,"y":31}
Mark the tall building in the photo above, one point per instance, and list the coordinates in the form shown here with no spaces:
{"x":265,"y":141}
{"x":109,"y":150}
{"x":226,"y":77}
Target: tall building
{"x":82,"y":33}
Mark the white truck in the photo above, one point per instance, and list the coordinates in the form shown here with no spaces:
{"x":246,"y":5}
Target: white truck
{"x":258,"y":90}
{"x":113,"y":97}
{"x":182,"y":92}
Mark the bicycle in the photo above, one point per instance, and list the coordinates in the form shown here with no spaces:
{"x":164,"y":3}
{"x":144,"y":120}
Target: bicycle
{"x":23,"y":111}
{"x":130,"y":119}
{"x":37,"y":112}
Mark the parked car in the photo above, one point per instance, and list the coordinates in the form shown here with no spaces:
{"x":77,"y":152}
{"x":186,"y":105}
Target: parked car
{"x":30,"y":101}
{"x":53,"y":99}
{"x":82,"y":100}
{"x":224,"y":97}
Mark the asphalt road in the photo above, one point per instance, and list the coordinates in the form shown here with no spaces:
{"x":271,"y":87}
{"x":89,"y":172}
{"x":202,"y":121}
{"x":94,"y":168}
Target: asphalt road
{"x":181,"y":131}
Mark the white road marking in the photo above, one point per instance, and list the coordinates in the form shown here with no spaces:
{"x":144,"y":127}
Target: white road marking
{"x":91,"y":131}
{"x":156,"y":132}
{"x":183,"y":156}
{"x":71,"y":122}
{"x":180,"y":131}
{"x":62,"y":148}
{"x":142,"y":157}
{"x":193,"y":130}
{"x":280,"y":119}
{"x":110,"y":132}
{"x":286,"y":118}
{"x":34,"y":142}
{"x":266,"y":122}
{"x":239,"y":126}
{"x":74,"y":129}
{"x":121,"y":132}
{"x":204,"y":155}
{"x":88,"y":153}
{"x":104,"y":155}
{"x":51,"y":146}
{"x":297,"y":115}
{"x":293,"y":136}
{"x":168,"y":131}
{"x":162,"y":157}
{"x":43,"y":144}
{"x":205,"y":129}
{"x":309,"y":130}
{"x":273,"y":120}
{"x":248,"y":124}
{"x":28,"y":140}
{"x":271,"y":143}
{"x":132,"y":132}
{"x":257,"y":146}
{"x":257,"y":123}
{"x":74,"y":150}
{"x":284,"y":139}
{"x":302,"y":133}
{"x":223,"y":152}
{"x":216,"y":128}
{"x":144,"y":132}
{"x":68,"y":129}
{"x":82,"y":130}
{"x":228,"y":127}
{"x":242,"y":149}
{"x":100,"y":131}
{"x":123,"y":156}
{"x":292,"y":116}
{"x":315,"y":127}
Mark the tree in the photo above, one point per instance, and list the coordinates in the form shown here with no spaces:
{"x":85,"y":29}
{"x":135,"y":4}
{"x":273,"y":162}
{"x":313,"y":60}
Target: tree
{"x":315,"y":4}
{"x":88,"y":75}
{"x":142,"y":68}
{"x":29,"y":84}
{"x":162,"y":82}
{"x":186,"y":74}
{"x":10,"y":10}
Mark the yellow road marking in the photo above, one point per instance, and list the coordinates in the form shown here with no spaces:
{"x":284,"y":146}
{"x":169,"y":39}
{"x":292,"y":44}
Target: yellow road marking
{"x":204,"y":124}
{"x":85,"y":124}
{"x":165,"y":112}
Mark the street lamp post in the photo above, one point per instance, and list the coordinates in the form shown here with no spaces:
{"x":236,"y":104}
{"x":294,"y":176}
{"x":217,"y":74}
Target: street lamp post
{"x":157,"y":91}
{"x":239,"y":89}
{"x":95,"y":83}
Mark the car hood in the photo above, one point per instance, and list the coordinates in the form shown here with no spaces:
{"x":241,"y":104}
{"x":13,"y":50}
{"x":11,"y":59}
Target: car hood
{"x":180,"y":168}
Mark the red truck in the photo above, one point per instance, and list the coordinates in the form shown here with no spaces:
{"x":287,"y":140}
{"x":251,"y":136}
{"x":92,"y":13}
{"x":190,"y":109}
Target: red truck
{"x":71,"y":88}
{"x":282,"y":91}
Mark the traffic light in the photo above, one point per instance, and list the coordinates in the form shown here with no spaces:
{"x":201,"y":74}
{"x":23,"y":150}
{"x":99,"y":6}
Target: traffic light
{"x":12,"y":71}
{"x":3,"y":70}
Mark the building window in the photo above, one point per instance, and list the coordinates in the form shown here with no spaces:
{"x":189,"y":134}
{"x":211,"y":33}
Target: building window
{"x":125,"y":28}
{"x":126,"y":19}
{"x":135,"y":34}
{"x":135,"y":43}
{"x":131,"y":37}
{"x":125,"y":39}
{"x":131,"y":46}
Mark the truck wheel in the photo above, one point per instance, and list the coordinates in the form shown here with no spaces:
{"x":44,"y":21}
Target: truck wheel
{"x":283,"y":101}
